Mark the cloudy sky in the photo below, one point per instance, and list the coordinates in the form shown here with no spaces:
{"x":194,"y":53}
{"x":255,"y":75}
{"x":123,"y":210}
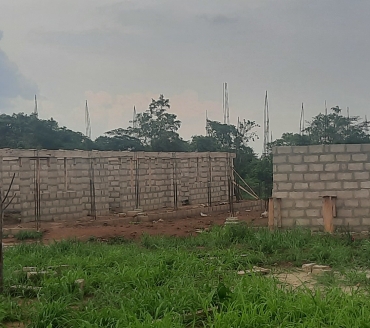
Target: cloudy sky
{"x":117,"y":54}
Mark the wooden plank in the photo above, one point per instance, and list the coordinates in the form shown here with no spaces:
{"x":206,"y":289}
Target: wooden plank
{"x":327,"y":212}
{"x":278,"y":210}
{"x":271,"y":214}
{"x":334,"y":203}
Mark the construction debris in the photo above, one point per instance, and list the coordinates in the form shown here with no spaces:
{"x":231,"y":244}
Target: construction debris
{"x":35,"y":275}
{"x":319,"y":269}
{"x":80,"y":283}
{"x":231,"y":220}
{"x":255,"y":270}
{"x":25,"y":288}
{"x":315,"y":268}
{"x":202,"y":214}
{"x":308,"y":267}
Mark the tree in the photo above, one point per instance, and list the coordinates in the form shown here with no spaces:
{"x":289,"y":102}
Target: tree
{"x":118,"y":140}
{"x":28,"y":131}
{"x":230,"y":137}
{"x":204,"y":144}
{"x":333,"y":128}
{"x":292,"y":139}
{"x":157,"y":129}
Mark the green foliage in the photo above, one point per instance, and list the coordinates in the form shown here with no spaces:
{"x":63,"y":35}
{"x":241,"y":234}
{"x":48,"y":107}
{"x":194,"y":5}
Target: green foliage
{"x":204,"y":144}
{"x":171,"y":282}
{"x":230,"y":137}
{"x":333,"y":128}
{"x":30,"y":132}
{"x":157,"y":129}
{"x":28,"y":234}
{"x":118,"y":140}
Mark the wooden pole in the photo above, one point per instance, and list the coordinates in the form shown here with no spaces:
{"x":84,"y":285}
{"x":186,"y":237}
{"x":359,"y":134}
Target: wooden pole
{"x":278,"y":210}
{"x":271,"y":214}
{"x":327,"y":213}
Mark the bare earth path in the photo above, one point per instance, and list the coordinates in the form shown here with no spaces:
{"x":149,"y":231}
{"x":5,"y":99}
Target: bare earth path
{"x":113,"y":226}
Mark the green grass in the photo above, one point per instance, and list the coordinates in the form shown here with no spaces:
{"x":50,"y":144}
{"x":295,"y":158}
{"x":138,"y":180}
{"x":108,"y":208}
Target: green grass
{"x":28,"y":234}
{"x":187,"y":282}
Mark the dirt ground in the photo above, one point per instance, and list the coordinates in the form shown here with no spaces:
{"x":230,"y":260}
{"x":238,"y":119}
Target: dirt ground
{"x":114,"y":226}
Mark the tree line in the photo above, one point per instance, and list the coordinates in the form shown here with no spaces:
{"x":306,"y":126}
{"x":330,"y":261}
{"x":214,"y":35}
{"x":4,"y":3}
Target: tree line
{"x":156,"y":129}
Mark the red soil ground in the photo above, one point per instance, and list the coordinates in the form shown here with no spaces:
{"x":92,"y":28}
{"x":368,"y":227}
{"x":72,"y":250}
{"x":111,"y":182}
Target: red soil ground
{"x":113,"y":226}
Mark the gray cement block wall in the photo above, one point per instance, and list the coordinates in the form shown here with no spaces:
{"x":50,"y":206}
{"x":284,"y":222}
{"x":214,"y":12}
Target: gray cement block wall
{"x":303,"y":174}
{"x":65,"y":182}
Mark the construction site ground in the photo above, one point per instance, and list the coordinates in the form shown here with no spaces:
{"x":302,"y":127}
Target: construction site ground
{"x":115,"y":226}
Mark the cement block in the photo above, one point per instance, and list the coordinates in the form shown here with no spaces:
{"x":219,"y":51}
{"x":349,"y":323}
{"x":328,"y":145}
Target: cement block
{"x":299,"y":168}
{"x":351,"y":202}
{"x":280,"y":194}
{"x":296,"y":159}
{"x":311,"y":158}
{"x":360,"y":157}
{"x":345,"y":194}
{"x":303,"y":222}
{"x":316,"y":186}
{"x":285,"y":186}
{"x":366,"y":221}
{"x":353,"y":148}
{"x":337,"y":148}
{"x":352,"y":222}
{"x":316,"y":167}
{"x":314,"y":149}
{"x":344,"y":176}
{"x":296,"y":213}
{"x":320,"y":269}
{"x":332,"y":167}
{"x":311,"y":177}
{"x":327,"y":158}
{"x":361,"y":212}
{"x":365,"y":184}
{"x":362,"y":193}
{"x":284,"y":168}
{"x":343,"y":157}
{"x":362,"y":176}
{"x":300,"y":186}
{"x":302,"y":203}
{"x":313,"y":212}
{"x":284,"y":150}
{"x":280,"y":177}
{"x":295,"y":177}
{"x":288,"y":222}
{"x":355,"y":166}
{"x":295,"y":195}
{"x":278,"y":159}
{"x":312,"y":195}
{"x":308,"y":267}
{"x":337,"y":185}
{"x":327,"y":176}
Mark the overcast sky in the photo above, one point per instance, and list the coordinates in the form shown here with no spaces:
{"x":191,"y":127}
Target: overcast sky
{"x":117,"y":54}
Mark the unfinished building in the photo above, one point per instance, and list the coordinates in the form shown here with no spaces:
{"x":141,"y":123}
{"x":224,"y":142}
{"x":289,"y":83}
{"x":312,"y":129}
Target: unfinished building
{"x":60,"y":184}
{"x":324,"y":187}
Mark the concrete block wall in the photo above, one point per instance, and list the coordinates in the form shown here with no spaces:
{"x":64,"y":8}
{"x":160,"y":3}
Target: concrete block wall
{"x":156,"y":174}
{"x":303,"y":174}
{"x":65,"y":180}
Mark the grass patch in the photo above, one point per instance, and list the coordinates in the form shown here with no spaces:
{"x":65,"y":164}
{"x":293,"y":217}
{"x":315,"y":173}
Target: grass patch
{"x":28,"y":234}
{"x":186,"y":282}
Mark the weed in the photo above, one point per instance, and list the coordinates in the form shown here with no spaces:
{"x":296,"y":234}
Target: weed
{"x":172,"y":282}
{"x":28,"y":234}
